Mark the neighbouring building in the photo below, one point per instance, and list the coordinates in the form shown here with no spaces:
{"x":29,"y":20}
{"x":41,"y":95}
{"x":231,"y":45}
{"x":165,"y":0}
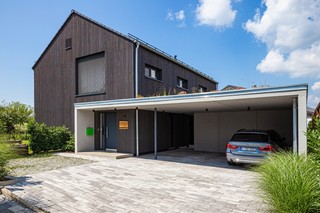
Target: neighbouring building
{"x":112,"y":91}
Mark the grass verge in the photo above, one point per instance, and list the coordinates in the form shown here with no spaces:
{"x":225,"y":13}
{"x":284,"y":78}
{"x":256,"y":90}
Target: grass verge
{"x":37,"y":163}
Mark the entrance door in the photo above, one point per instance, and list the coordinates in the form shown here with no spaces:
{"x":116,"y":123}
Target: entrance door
{"x":111,"y":130}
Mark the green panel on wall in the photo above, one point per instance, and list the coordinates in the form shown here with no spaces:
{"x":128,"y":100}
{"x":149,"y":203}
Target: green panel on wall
{"x":89,"y":131}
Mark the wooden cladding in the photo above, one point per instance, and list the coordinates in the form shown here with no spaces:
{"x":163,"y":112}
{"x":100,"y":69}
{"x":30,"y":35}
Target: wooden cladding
{"x":68,"y":43}
{"x":170,"y":71}
{"x":56,"y":87}
{"x":55,"y":72}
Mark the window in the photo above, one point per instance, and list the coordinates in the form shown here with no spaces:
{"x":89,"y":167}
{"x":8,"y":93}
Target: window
{"x":182,"y":83}
{"x":153,"y":73}
{"x":91,"y":74}
{"x":250,"y":137}
{"x":68,"y":43}
{"x":202,"y":89}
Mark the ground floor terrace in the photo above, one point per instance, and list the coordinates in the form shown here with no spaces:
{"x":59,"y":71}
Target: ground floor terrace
{"x":203,"y":121}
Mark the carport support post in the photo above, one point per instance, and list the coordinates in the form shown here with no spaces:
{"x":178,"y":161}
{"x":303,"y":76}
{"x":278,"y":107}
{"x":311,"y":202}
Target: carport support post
{"x":295,"y":129}
{"x":137,"y":132}
{"x":76,"y":130}
{"x":155,"y":134}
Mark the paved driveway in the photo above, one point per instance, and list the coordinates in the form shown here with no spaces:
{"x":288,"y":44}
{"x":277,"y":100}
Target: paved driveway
{"x":179,"y":181}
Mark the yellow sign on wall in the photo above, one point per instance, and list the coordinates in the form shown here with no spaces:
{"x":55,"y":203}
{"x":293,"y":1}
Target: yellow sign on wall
{"x":123,"y":124}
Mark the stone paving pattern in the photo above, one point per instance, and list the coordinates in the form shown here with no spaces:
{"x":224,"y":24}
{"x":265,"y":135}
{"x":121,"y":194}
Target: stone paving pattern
{"x":9,"y":206}
{"x":179,"y":181}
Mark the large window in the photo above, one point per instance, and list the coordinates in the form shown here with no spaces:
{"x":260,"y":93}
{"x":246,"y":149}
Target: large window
{"x":91,"y":74}
{"x":182,"y":83}
{"x":152,"y":72}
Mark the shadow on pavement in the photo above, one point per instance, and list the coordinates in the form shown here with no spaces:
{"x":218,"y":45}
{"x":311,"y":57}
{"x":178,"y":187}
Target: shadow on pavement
{"x":189,"y":156}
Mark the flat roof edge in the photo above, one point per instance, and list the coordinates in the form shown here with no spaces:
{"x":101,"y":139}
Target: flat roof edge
{"x":291,"y":88}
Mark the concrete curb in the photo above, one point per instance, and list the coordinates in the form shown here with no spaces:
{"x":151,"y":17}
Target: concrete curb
{"x":8,"y":194}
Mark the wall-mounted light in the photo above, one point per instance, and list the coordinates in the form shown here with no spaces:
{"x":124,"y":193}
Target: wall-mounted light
{"x":207,"y":110}
{"x":248,"y":108}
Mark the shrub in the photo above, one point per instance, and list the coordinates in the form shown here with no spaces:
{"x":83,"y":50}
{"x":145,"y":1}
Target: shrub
{"x":313,"y":138}
{"x":6,"y":154}
{"x":44,"y":138}
{"x":290,"y":183}
{"x":69,"y":146}
{"x":13,"y":115}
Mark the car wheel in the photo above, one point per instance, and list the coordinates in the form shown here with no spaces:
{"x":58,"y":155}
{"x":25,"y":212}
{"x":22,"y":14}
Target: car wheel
{"x":231,"y":163}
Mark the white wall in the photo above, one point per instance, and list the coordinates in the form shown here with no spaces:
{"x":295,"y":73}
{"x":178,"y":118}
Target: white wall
{"x":84,"y":119}
{"x":212,"y":130}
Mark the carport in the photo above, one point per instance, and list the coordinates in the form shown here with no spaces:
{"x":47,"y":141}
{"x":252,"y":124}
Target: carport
{"x":217,"y":115}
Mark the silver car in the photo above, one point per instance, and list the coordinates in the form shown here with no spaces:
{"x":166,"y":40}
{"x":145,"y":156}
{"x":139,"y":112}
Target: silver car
{"x":252,"y":146}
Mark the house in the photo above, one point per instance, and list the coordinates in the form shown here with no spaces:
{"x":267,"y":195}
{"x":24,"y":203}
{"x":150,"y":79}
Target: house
{"x":310,"y":112}
{"x":316,"y":112}
{"x":232,"y":87}
{"x":89,"y":62}
{"x":105,"y":87}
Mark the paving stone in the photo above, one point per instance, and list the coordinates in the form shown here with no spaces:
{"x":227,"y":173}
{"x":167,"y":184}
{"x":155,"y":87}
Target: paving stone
{"x":179,"y":181}
{"x":9,"y":206}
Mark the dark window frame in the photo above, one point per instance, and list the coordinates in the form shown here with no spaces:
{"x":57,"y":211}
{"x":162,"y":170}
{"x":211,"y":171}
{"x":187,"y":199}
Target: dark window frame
{"x":68,"y":43}
{"x":202,"y":88}
{"x":158,"y":73}
{"x":77,"y":75}
{"x":184,"y":83}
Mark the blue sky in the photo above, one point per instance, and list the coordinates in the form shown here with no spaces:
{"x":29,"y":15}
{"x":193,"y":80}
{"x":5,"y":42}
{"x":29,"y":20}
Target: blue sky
{"x":239,"y":42}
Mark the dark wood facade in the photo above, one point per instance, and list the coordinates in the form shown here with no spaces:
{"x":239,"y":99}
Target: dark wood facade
{"x":55,"y":71}
{"x":170,"y":71}
{"x":55,"y":83}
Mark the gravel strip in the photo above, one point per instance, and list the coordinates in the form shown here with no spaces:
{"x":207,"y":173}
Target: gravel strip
{"x":32,"y":165}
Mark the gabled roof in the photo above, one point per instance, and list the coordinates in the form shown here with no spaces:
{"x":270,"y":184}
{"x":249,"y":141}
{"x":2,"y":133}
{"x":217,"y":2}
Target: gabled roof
{"x":232,"y":87}
{"x":129,"y":38}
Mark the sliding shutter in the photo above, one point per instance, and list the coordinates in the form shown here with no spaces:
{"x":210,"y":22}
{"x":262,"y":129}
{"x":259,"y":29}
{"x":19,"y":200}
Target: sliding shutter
{"x":91,"y":74}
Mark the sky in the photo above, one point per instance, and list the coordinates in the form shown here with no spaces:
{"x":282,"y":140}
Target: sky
{"x":237,"y":42}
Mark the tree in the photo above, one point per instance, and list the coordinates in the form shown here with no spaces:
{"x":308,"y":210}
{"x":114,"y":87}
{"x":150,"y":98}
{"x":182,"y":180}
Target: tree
{"x":12,"y":115}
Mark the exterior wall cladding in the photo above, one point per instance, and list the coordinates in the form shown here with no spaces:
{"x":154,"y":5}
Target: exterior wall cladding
{"x":55,"y":83}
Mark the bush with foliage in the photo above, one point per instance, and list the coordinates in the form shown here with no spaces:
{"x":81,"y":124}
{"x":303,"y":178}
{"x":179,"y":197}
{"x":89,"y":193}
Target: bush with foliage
{"x":13,"y":116}
{"x":6,"y":153}
{"x":313,"y":138}
{"x":69,"y":146}
{"x":45,"y":138}
{"x":290,"y":183}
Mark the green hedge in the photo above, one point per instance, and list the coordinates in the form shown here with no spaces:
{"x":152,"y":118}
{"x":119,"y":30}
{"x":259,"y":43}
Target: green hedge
{"x":45,"y":138}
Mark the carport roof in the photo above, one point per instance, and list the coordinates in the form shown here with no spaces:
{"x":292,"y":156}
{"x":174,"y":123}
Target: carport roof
{"x":235,"y":100}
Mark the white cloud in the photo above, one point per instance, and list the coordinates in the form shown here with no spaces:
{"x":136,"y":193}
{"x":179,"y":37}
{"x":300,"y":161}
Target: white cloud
{"x":291,"y":31}
{"x":177,"y":17}
{"x":180,"y":15}
{"x":316,"y":86}
{"x":170,"y":15}
{"x":215,"y":13}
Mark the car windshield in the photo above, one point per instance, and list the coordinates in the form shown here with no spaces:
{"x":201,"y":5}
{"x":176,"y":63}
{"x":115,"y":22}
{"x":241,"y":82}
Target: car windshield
{"x":250,"y":137}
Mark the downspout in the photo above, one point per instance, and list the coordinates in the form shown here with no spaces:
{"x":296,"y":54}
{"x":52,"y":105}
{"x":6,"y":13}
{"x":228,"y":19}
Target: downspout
{"x":294,"y":125}
{"x":136,"y":96}
{"x":136,"y":69}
